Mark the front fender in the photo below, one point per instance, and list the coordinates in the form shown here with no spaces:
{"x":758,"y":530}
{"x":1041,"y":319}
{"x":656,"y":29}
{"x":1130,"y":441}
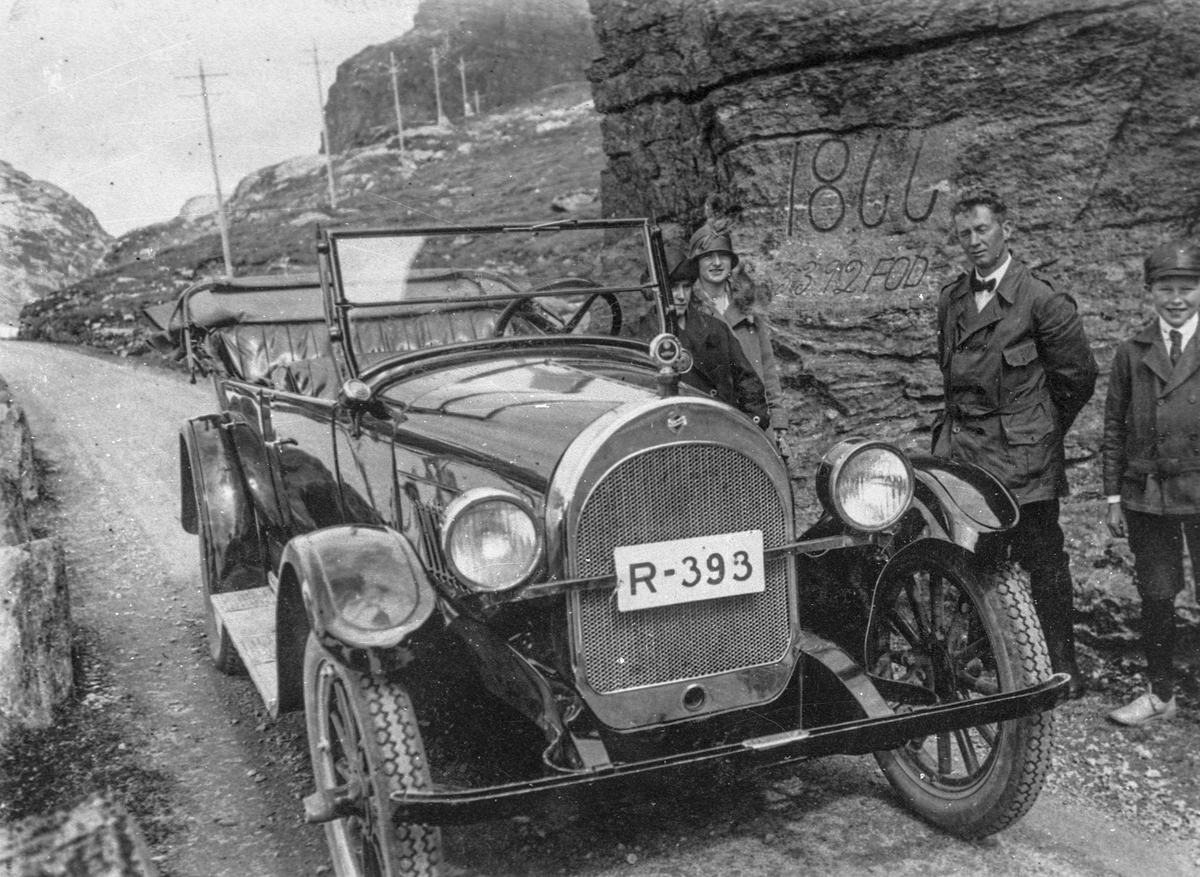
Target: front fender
{"x":207,"y":471}
{"x":961,"y":501}
{"x":214,"y":505}
{"x":362,"y":586}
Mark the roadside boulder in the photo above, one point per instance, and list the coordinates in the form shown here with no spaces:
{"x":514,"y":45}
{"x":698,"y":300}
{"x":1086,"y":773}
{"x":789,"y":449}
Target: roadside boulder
{"x":35,"y":635}
{"x":97,"y":838}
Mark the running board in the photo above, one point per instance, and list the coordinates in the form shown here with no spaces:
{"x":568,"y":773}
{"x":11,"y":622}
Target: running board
{"x":249,"y":618}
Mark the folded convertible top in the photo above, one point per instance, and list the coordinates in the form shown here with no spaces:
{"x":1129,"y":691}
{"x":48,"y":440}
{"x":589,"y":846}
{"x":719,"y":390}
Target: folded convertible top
{"x":274,"y":298}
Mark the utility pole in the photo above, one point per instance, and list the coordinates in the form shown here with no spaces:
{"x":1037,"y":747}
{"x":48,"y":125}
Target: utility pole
{"x":325,"y":129}
{"x":442,"y":121}
{"x":396,"y":100}
{"x":222,"y":220}
{"x":462,"y":74}
{"x":477,"y":101}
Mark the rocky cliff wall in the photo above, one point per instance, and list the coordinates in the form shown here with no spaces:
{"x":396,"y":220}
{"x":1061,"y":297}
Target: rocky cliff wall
{"x":510,"y":49}
{"x":47,"y":240}
{"x":843,"y":131}
{"x":35,"y":614}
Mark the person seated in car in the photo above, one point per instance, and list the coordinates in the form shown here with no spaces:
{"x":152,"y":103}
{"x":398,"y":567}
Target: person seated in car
{"x":719,"y":366}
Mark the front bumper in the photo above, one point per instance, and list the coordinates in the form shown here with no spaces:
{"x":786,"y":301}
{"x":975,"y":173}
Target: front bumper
{"x":858,"y":737}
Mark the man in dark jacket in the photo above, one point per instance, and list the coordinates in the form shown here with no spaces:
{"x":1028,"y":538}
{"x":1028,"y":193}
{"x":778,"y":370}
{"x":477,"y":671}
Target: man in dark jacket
{"x":719,"y":367}
{"x":1017,"y":369}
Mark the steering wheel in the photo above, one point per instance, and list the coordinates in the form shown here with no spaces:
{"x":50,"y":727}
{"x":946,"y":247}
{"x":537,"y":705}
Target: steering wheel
{"x":547,"y":322}
{"x":530,"y":311}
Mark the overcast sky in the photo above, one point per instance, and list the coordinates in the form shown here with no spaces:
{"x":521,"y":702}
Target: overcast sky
{"x":95,"y":96}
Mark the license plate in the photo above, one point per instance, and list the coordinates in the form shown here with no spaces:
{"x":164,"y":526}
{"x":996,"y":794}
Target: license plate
{"x":684,"y":570}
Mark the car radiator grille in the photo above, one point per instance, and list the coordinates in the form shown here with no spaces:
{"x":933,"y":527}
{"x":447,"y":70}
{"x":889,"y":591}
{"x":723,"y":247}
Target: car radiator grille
{"x":676,"y":492}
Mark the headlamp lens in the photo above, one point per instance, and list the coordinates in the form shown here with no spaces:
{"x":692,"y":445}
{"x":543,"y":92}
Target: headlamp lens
{"x":867,"y":484}
{"x":493,"y":543}
{"x":873,"y":488}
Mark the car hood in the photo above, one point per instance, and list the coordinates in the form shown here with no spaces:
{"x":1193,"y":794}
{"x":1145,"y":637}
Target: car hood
{"x":517,"y":416}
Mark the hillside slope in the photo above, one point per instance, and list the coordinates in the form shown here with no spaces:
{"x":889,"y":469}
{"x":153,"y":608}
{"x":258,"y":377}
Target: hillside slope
{"x":511,"y":165}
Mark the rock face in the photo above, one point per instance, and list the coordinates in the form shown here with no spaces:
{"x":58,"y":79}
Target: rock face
{"x":509,"y":50}
{"x":47,"y":240}
{"x":843,"y":131}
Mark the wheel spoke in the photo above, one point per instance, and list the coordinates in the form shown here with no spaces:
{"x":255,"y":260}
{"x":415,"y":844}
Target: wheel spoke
{"x":975,"y":649}
{"x":967,"y":749}
{"x":945,"y":756}
{"x":348,"y":728}
{"x":370,"y":850}
{"x":937,"y":609}
{"x":374,"y":854}
{"x":920,"y":619}
{"x":902,"y":627}
{"x":989,"y":733}
{"x":958,"y":623}
{"x":338,"y":734}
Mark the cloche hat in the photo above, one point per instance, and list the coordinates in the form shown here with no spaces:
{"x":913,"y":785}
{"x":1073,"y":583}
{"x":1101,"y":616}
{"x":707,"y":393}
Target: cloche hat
{"x":708,"y":239}
{"x":680,"y":269}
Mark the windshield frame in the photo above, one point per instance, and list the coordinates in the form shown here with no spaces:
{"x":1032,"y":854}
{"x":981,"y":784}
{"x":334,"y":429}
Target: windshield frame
{"x":341,"y":309}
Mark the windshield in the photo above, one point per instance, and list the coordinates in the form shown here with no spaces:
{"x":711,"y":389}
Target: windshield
{"x":407,"y":291}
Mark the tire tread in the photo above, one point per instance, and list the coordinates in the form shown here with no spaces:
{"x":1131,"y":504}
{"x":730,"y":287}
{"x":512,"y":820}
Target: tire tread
{"x":397,"y":734}
{"x":1011,"y":586}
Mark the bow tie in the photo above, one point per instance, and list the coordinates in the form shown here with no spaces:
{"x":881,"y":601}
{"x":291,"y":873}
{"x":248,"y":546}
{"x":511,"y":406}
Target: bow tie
{"x":978,"y":285}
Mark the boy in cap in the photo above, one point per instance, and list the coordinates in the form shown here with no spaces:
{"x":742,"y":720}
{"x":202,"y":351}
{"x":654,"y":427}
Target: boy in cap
{"x":719,"y":367}
{"x":1151,"y":455}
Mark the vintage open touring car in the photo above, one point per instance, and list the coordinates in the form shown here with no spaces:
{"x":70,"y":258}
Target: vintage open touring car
{"x":457,"y":467}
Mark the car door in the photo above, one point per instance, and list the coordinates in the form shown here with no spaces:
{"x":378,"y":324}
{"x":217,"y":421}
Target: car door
{"x":302,"y":455}
{"x":249,"y":426}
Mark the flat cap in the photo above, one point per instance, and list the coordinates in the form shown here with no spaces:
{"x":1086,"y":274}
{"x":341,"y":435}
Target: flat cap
{"x":1174,"y":258}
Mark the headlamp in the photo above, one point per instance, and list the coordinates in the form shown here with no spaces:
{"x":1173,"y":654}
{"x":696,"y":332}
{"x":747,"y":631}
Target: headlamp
{"x":867,"y":484}
{"x":491,"y":539}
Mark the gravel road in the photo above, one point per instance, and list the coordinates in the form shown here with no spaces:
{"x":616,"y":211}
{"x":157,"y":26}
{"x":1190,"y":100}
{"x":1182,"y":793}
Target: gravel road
{"x":108,"y":427}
